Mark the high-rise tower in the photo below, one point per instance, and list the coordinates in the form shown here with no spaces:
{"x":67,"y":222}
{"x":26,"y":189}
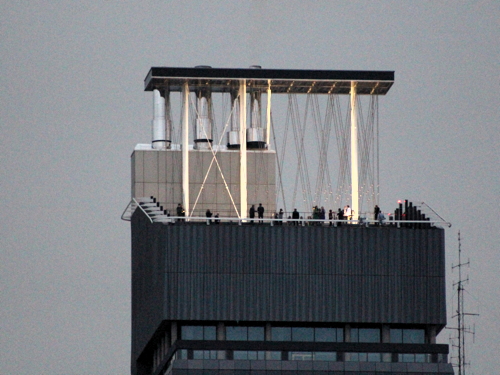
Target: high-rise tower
{"x":215,"y":291}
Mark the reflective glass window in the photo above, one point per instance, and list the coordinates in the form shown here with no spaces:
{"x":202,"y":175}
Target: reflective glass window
{"x":235,"y":333}
{"x":325,"y":334}
{"x":369,"y":335}
{"x":249,"y":354}
{"x":413,"y":336}
{"x":275,"y":356}
{"x":204,"y":354}
{"x":396,"y":335}
{"x":422,"y":358}
{"x":406,"y":357}
{"x":240,"y":354}
{"x":192,"y":332}
{"x":209,"y":333}
{"x":325,"y":356}
{"x":302,"y":334}
{"x":181,"y":354}
{"x":255,"y":333}
{"x":281,"y":334}
{"x":354,"y":335}
{"x":340,"y":334}
{"x":198,"y":333}
{"x":351,"y":357}
{"x":373,"y":357}
{"x":300,"y":356}
{"x":365,"y":335}
{"x":239,"y":333}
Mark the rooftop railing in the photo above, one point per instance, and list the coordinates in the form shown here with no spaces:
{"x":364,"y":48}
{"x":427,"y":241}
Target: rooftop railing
{"x":156,"y":214}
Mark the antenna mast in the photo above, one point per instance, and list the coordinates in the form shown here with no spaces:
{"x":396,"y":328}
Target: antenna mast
{"x":460,"y":313}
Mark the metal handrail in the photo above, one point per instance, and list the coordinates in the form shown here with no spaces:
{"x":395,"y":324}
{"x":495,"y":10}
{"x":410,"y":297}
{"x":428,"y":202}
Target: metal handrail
{"x":132,"y":201}
{"x":301,"y":222}
{"x":271,"y":221}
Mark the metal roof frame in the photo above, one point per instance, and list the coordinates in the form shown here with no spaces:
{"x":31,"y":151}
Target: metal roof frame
{"x":280,"y":81}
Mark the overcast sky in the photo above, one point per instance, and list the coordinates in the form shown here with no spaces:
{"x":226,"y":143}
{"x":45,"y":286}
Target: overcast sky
{"x":73,"y":108}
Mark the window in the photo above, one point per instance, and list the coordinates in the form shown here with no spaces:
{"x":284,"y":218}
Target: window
{"x":413,"y":336}
{"x":362,"y":357}
{"x":281,"y":334}
{"x":255,"y":333}
{"x":204,"y":354}
{"x":373,"y":357}
{"x":239,"y":333}
{"x":325,"y":356}
{"x":406,"y":357}
{"x":408,"y":336}
{"x":249,"y":354}
{"x":236,"y":333}
{"x":300,"y":356}
{"x":365,"y":335}
{"x":198,"y":333}
{"x":328,"y":334}
{"x":307,"y":334}
{"x":302,"y":334}
{"x":181,"y":354}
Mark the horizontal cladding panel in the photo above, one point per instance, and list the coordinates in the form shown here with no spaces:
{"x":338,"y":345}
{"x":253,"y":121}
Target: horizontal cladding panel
{"x":297,"y":250}
{"x":321,"y":298}
{"x":347,"y":274}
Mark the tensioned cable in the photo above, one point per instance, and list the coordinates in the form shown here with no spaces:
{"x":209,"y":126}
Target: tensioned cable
{"x":327,"y":130}
{"x":279,"y":188}
{"x":280,"y":155}
{"x":367,"y":152}
{"x":344,"y":146}
{"x":306,"y":185}
{"x":322,"y":131}
{"x":298,"y":131}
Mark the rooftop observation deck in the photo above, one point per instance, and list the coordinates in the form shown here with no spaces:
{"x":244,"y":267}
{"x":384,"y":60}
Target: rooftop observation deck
{"x":408,"y":216}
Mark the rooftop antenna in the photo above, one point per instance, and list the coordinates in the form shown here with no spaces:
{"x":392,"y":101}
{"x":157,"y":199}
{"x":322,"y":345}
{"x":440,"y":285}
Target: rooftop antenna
{"x":460,"y":315}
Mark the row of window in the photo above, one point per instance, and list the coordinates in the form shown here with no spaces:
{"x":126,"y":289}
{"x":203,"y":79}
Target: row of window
{"x":303,"y":334}
{"x":310,"y":356}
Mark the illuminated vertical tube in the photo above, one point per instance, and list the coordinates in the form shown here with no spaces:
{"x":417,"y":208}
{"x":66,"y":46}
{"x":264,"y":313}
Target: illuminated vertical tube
{"x":243,"y":148}
{"x":185,"y":150}
{"x":354,"y":153}
{"x":268,"y":115}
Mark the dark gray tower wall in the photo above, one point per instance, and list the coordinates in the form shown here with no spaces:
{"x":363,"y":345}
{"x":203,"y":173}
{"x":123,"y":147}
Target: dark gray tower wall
{"x":349,"y":274}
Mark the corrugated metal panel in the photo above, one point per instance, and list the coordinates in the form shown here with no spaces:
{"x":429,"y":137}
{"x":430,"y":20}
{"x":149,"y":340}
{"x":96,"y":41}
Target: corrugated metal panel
{"x":281,"y":273}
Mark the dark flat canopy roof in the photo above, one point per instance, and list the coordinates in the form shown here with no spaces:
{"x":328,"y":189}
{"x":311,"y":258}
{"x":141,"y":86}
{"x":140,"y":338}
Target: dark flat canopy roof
{"x":369,"y":82}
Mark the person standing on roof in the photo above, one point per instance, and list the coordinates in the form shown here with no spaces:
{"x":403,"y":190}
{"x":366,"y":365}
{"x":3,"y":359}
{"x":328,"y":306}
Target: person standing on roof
{"x":180,"y":212}
{"x":252,"y":213}
{"x":348,"y":213}
{"x":260,"y":211}
{"x":295,"y":217}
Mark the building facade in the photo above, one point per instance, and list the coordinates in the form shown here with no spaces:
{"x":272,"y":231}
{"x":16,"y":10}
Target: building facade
{"x":234,"y":295}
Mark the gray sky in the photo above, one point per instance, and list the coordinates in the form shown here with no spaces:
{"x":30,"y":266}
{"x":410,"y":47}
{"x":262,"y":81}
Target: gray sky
{"x":73,"y":108}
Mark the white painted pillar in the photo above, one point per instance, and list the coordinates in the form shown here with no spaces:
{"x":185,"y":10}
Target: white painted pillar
{"x":354,"y":152}
{"x":243,"y":148}
{"x":185,"y":151}
{"x":268,"y":117}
